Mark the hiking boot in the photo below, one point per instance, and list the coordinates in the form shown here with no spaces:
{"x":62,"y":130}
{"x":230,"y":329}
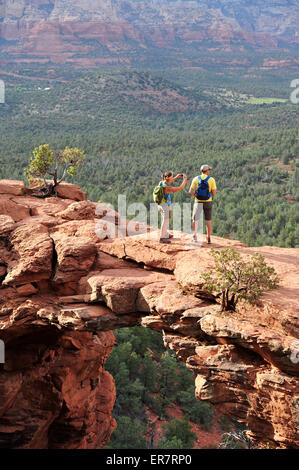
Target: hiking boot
{"x":194,"y":238}
{"x":209,"y":241}
{"x":164,"y":240}
{"x":169,"y":235}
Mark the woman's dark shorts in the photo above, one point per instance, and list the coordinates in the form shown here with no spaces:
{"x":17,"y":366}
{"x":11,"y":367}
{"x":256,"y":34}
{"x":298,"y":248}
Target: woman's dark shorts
{"x":198,"y":207}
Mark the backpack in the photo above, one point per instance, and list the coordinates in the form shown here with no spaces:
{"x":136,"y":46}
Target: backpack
{"x":203,"y":190}
{"x":158,"y":193}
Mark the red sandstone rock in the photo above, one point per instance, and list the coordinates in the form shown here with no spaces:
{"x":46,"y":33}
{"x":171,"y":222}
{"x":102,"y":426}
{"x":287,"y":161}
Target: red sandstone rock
{"x":119,"y":287}
{"x":76,"y":228}
{"x":70,"y":191}
{"x":6,"y":224}
{"x":82,"y":210}
{"x":66,"y":400}
{"x":58,"y":308}
{"x":49,"y":206}
{"x":144,"y":249}
{"x":2,"y":271}
{"x":105,"y":261}
{"x":165,"y":299}
{"x":275,"y":348}
{"x":45,"y":220}
{"x":31,"y":257}
{"x":75,"y":257}
{"x":64,"y":190}
{"x":26,"y":290}
{"x":17,"y":211}
{"x":15,"y":187}
{"x":57,"y":34}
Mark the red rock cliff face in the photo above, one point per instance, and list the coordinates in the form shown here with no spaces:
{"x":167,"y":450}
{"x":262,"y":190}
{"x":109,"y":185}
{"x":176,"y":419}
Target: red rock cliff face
{"x":66,"y":285}
{"x":60,"y":31}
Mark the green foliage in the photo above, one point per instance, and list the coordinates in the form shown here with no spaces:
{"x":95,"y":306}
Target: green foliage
{"x":131,"y":134}
{"x":129,"y":434}
{"x":233,"y":278}
{"x":147,"y":375}
{"x":177,"y":432}
{"x":171,"y":443}
{"x":41,"y":162}
{"x":195,"y":410}
{"x":46,"y":163}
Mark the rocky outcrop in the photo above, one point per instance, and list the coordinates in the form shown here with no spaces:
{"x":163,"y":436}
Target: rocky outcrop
{"x":65,"y":286}
{"x":76,"y":30}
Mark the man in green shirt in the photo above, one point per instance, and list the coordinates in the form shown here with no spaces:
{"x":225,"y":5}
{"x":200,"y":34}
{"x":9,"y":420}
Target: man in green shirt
{"x":205,"y":204}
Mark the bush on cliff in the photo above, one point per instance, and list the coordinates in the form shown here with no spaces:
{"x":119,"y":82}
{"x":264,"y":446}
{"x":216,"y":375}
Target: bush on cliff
{"x":46,"y":163}
{"x":234,"y":278}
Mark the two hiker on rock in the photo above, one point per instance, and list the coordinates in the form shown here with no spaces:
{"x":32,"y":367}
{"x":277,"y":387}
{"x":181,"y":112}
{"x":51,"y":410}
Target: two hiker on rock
{"x":202,"y":188}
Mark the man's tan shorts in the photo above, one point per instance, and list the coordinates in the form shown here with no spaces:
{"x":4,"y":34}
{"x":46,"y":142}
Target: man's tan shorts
{"x":198,"y":207}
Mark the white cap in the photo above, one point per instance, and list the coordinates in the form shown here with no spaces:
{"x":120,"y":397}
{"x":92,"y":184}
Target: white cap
{"x":205,"y":168}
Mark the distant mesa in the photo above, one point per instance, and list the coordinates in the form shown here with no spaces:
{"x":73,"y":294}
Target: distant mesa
{"x":101,"y":33}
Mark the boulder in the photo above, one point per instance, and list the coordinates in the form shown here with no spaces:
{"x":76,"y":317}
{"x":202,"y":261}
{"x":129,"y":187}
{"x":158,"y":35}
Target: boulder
{"x":119,"y":288}
{"x":165,"y":299}
{"x":82,"y":210}
{"x":71,"y":191}
{"x":26,"y":290}
{"x":106,"y":212}
{"x":45,"y":220}
{"x":16,"y":210}
{"x":271,"y":345}
{"x":75,"y":257}
{"x":31,"y":257}
{"x":14,"y":187}
{"x":6,"y":224}
{"x":64,"y":190}
{"x":190,"y":267}
{"x":76,"y":229}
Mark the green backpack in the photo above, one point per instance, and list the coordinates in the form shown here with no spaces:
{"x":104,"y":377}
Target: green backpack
{"x":158,"y":193}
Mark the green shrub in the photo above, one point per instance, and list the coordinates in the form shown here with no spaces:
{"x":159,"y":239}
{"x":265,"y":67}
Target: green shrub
{"x":234,"y":278}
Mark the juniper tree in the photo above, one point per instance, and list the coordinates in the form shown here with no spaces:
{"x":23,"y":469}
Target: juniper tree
{"x":46,"y":163}
{"x":234,"y":278}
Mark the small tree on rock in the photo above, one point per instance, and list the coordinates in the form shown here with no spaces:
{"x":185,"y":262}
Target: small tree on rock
{"x":46,"y":163}
{"x":234,"y":278}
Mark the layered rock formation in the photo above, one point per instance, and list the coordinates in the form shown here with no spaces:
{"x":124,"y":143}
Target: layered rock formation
{"x":66,"y":285}
{"x":74,"y":29}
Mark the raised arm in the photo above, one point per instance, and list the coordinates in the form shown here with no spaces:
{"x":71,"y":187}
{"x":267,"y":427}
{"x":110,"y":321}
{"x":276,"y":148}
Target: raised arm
{"x":173,"y":189}
{"x":180,"y":175}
